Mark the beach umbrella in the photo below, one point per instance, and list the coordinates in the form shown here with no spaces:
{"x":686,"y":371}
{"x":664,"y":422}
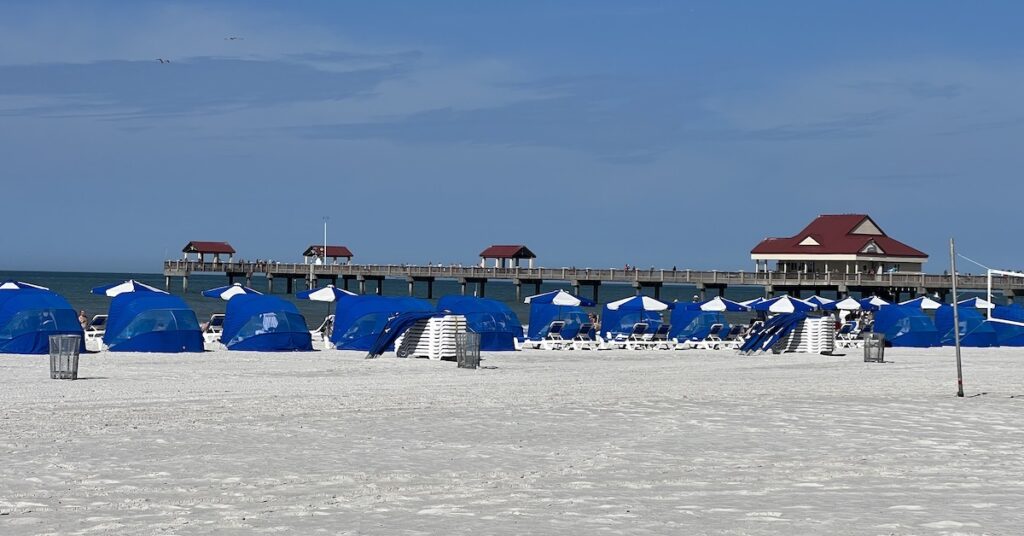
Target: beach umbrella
{"x":719,"y":304}
{"x":11,"y":284}
{"x":329,"y":294}
{"x":819,"y":301}
{"x":751,"y":303}
{"x":560,"y":297}
{"x":637,"y":303}
{"x":845,"y":304}
{"x":228,"y":292}
{"x":784,"y":304}
{"x":923,"y":302}
{"x":977,"y":303}
{"x":872,"y":303}
{"x":130,"y":285}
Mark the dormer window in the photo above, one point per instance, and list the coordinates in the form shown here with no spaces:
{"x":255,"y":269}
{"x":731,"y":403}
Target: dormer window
{"x":809,"y":241}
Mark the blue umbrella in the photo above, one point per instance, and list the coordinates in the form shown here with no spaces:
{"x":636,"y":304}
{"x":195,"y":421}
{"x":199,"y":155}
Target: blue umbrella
{"x":720,"y":304}
{"x":872,"y":303}
{"x":229,"y":291}
{"x":560,"y":297}
{"x":845,"y":304}
{"x":11,"y":284}
{"x":784,"y":304}
{"x":127,"y":286}
{"x":330,"y":293}
{"x":637,"y":303}
{"x":819,"y":301}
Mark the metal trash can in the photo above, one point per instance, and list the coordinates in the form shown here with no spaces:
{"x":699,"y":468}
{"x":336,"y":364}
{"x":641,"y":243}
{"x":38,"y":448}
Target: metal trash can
{"x":874,"y":348}
{"x":64,"y":356}
{"x":467,"y":349}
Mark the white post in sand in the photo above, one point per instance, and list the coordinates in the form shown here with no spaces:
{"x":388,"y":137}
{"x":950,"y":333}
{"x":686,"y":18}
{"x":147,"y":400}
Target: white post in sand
{"x":956,"y":324}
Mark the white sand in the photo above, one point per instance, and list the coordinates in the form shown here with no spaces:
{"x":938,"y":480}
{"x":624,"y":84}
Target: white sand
{"x":540,"y":442}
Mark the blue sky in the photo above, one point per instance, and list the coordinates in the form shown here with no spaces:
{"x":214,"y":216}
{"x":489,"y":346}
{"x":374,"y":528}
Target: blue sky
{"x":597,"y":133}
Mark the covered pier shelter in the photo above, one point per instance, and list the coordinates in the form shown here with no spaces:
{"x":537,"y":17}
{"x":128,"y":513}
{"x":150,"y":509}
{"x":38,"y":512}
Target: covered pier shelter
{"x":201,"y":249}
{"x":507,"y":256}
{"x":315,"y":254}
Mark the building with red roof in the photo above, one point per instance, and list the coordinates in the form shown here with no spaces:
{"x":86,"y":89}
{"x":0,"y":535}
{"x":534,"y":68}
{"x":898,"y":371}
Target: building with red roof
{"x":505,"y":255}
{"x":845,"y":243}
{"x":202,"y":249}
{"x":315,"y":254}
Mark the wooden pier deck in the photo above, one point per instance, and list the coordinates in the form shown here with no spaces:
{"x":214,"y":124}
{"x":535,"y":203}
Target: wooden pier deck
{"x":892,"y":285}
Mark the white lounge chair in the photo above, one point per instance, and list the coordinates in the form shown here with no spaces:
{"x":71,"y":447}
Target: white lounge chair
{"x":713,"y":340}
{"x":734,"y":338}
{"x":634,"y":340}
{"x":214,"y":328}
{"x":583,"y":340}
{"x":324,"y":331}
{"x":553,"y":338}
{"x":659,"y":339}
{"x":94,"y":333}
{"x":848,"y":336}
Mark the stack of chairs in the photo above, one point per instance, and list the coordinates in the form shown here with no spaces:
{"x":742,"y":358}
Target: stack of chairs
{"x":433,"y":338}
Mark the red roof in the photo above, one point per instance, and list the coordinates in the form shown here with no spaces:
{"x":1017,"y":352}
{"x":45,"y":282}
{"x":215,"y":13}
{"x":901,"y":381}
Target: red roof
{"x":208,"y":247}
{"x":507,"y":252}
{"x":834,"y":234}
{"x":332,"y":251}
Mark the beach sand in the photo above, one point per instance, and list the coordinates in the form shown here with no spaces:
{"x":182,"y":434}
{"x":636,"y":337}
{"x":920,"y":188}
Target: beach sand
{"x":687,"y":442}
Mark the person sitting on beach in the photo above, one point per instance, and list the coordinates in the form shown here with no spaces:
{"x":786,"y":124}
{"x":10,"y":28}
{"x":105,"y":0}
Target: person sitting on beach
{"x":83,"y":319}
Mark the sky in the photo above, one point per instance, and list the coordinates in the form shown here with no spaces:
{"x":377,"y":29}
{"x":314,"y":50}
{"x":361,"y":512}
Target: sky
{"x":596,"y":133}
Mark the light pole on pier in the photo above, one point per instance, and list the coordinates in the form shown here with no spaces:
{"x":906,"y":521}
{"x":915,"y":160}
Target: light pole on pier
{"x":325,"y":239}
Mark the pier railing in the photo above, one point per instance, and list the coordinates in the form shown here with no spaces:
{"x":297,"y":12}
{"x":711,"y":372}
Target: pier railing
{"x":588,"y":276}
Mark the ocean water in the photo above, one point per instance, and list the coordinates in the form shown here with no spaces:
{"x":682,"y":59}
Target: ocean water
{"x":76,"y":287}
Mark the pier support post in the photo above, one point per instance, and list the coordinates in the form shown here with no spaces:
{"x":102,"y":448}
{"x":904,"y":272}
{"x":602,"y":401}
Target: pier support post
{"x":430,"y":289}
{"x":167,"y":282}
{"x":462,"y":287}
{"x":596,"y":286}
{"x":637,"y":288}
{"x":536,"y":286}
{"x":519,"y":292}
{"x":184,"y":284}
{"x":248,"y":280}
{"x":380,"y":287}
{"x":481,"y":287}
{"x":576,"y":288}
{"x":231,"y":278}
{"x":362,"y":284}
{"x":412,"y":285}
{"x":270,"y":284}
{"x":702,"y":291}
{"x":1009,"y":294}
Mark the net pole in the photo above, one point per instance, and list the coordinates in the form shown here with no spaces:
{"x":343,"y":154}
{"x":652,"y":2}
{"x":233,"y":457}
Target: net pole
{"x":956,"y":323}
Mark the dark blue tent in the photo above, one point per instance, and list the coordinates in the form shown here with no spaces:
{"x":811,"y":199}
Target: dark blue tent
{"x":264,"y":324}
{"x":497,"y":325}
{"x":360,"y":319}
{"x":906,"y":325}
{"x":151,"y":322}
{"x":620,"y":321}
{"x":543,"y":314}
{"x":1009,"y":334}
{"x":689,"y":322}
{"x":29,"y":316}
{"x":974,"y":330}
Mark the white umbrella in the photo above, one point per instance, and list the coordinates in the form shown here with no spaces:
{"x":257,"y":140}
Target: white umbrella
{"x":128,"y":286}
{"x":228,"y":292}
{"x":924,"y":302}
{"x":330,"y":293}
{"x":637,"y":303}
{"x":719,"y":304}
{"x":559,"y":297}
{"x":845,"y":304}
{"x":11,"y":284}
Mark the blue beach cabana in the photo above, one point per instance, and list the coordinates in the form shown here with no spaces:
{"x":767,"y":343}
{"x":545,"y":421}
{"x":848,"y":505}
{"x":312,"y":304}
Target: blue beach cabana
{"x":691,"y":322}
{"x":618,"y":317}
{"x":557,"y":305}
{"x":358,"y":320}
{"x":498,"y":326}
{"x":1009,"y":334}
{"x":264,"y":324}
{"x":29,"y":315}
{"x":974,"y":330}
{"x":151,"y":322}
{"x":906,"y":325}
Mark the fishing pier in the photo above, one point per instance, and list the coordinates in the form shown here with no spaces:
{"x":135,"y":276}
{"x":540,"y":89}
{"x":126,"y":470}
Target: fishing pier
{"x":354,"y":277}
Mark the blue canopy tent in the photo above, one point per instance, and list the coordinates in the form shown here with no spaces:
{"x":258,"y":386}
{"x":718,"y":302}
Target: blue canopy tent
{"x":358,"y":320}
{"x":151,"y":322}
{"x":974,"y":330}
{"x":1009,"y":334}
{"x":556,"y":305}
{"x":265,"y":324}
{"x":497,"y":325}
{"x":906,"y":325}
{"x":618,"y":317}
{"x":690,"y":322}
{"x":29,"y":315}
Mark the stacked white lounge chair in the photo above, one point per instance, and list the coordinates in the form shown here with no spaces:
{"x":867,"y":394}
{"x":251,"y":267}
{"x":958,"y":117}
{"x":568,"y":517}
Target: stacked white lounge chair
{"x":812,"y":336}
{"x":433,"y":338}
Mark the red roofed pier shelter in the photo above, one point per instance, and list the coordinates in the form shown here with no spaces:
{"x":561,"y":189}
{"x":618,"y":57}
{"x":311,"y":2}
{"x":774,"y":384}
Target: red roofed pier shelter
{"x":315,"y":254}
{"x":202,"y":249}
{"x":838,"y":243}
{"x":505,"y":255}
